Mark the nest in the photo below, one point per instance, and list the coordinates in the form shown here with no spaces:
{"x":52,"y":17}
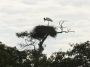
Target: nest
{"x":39,"y":32}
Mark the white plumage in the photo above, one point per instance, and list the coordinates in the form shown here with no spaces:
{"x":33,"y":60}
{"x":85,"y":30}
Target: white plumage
{"x":48,"y":19}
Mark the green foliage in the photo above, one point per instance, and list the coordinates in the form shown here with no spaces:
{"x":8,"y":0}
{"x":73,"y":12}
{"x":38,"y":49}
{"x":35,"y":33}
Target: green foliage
{"x":11,"y":57}
{"x":78,"y":56}
{"x":22,"y":34}
{"x":81,"y":53}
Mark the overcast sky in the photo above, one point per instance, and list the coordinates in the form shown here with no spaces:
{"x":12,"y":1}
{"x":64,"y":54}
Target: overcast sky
{"x":21,"y":15}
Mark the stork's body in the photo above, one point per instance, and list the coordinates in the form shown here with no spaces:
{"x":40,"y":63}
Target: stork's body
{"x":48,"y":19}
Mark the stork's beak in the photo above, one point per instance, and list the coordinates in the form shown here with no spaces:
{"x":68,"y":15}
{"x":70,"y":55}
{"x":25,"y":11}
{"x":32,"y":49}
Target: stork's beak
{"x":44,"y":19}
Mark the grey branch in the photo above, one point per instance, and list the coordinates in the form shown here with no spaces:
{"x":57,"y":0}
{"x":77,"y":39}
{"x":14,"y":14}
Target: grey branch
{"x":61,"y":27}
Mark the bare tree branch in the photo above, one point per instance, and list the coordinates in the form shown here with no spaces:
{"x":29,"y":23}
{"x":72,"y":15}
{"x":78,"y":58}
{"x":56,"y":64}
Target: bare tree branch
{"x":61,"y":27}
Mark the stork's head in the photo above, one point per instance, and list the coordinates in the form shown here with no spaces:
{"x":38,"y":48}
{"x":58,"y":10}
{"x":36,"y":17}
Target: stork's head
{"x":44,"y":19}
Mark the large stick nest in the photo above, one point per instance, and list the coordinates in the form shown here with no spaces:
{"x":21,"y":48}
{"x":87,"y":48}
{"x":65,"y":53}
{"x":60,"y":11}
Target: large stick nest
{"x":41,"y":31}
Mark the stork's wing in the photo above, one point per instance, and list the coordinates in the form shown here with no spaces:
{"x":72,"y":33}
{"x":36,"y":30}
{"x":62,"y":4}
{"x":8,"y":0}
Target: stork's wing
{"x":48,"y":19}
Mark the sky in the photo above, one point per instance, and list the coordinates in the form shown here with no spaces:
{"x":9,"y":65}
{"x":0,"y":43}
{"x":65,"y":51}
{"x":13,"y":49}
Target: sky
{"x":20,"y":15}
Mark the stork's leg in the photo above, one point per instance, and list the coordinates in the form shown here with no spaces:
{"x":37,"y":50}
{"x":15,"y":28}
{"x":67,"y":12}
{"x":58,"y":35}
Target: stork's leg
{"x":48,"y":23}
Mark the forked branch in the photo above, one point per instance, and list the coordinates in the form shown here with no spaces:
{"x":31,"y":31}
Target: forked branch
{"x":61,"y":27}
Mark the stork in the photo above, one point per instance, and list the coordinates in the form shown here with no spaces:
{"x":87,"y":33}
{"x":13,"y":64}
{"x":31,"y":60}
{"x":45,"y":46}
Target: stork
{"x":48,"y":19}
